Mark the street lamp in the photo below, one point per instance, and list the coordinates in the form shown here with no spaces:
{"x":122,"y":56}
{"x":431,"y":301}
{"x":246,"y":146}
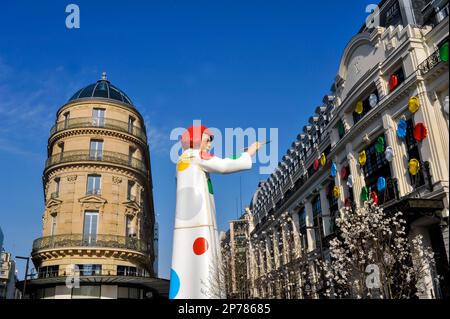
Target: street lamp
{"x":26,"y":274}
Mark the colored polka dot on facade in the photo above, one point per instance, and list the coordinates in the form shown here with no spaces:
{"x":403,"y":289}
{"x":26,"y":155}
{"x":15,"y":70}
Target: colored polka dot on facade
{"x":174,"y":284}
{"x":235,"y":156}
{"x":200,"y":246}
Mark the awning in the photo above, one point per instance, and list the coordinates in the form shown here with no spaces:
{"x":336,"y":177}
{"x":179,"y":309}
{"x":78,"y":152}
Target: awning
{"x":158,"y":285}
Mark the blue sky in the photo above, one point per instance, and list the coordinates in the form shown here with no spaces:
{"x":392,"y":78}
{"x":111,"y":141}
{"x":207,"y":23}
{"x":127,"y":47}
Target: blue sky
{"x":228,"y":63}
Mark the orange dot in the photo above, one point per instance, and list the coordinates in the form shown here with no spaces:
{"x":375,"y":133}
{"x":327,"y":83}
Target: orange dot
{"x":200,"y":246}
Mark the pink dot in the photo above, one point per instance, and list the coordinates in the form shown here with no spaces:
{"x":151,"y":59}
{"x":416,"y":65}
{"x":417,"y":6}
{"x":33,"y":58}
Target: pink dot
{"x":200,"y":246}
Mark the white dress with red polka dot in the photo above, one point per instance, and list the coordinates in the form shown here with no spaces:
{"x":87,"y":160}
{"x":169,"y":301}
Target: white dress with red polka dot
{"x":196,"y":257}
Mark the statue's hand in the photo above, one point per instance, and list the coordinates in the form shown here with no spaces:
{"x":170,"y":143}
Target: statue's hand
{"x":254,"y":148}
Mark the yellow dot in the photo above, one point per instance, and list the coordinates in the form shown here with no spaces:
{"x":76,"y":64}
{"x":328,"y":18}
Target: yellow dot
{"x":183,"y":163}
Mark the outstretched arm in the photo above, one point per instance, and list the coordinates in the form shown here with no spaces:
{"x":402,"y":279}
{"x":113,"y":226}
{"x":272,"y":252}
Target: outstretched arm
{"x":214,"y":164}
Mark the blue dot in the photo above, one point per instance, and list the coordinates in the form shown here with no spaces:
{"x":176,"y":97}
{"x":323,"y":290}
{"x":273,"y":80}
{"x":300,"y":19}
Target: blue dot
{"x":174,"y":284}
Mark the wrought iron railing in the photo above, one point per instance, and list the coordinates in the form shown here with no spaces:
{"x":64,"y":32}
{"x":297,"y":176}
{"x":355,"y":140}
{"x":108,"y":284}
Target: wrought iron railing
{"x":109,"y":157}
{"x":430,"y":62}
{"x":433,"y":15}
{"x":89,"y":122}
{"x":78,"y":240}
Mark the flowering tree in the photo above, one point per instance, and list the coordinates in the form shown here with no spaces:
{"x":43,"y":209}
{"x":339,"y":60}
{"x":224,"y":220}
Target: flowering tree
{"x":371,"y":257}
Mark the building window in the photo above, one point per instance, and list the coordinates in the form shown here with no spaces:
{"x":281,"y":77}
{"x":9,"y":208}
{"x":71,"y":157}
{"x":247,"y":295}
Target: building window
{"x":317,"y":218}
{"x":131,"y":152}
{"x":396,"y":78}
{"x":61,"y":150}
{"x":131,"y":190}
{"x":129,"y":293}
{"x":98,"y":117}
{"x":130,"y":231}
{"x":334,"y":209}
{"x":53,"y":228}
{"x":412,"y":149}
{"x":90,"y":227}
{"x":391,"y":16}
{"x":55,"y":194}
{"x":131,"y":121}
{"x":303,"y":229}
{"x":89,"y":269}
{"x":66,"y":119}
{"x":86,"y":292}
{"x":48,"y":271}
{"x":377,"y":166}
{"x":366,"y":106}
{"x":127,"y":271}
{"x":341,"y":129}
{"x":96,"y":149}
{"x":93,"y":185}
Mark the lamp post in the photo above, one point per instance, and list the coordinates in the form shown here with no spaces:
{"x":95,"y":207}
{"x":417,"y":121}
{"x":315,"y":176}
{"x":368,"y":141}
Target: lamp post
{"x":26,"y":274}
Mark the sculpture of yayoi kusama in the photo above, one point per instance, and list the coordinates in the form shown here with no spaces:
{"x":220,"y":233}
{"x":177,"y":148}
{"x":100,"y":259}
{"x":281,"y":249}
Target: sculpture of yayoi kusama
{"x":196,"y":258}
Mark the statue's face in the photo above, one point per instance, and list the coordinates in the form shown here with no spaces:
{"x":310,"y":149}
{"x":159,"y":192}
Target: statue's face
{"x":206,"y":143}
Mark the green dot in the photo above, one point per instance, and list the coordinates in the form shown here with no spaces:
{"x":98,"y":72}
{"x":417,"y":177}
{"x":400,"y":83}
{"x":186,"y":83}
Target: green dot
{"x":210,"y":187}
{"x":443,"y":52}
{"x":364,"y":194}
{"x":235,"y":156}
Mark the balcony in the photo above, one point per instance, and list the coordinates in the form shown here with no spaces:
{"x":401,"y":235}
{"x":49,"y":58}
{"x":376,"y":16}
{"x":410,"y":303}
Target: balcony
{"x":98,"y":241}
{"x":430,"y":62}
{"x":435,"y":12}
{"x":87,"y":156}
{"x":90,"y":122}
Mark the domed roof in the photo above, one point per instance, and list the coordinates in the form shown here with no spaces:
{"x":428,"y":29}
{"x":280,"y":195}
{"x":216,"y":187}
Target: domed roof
{"x":102,"y":89}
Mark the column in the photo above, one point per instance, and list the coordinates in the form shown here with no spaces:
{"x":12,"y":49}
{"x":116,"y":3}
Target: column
{"x":399,"y":164}
{"x":434,"y":147}
{"x":268,"y":255}
{"x":334,"y":136}
{"x":276,"y":253}
{"x":338,"y":182}
{"x":286,"y":244}
{"x":356,"y":172}
{"x":325,"y":212}
{"x":262,"y":268}
{"x":347,"y":120}
{"x":309,"y":224}
{"x":296,"y":232}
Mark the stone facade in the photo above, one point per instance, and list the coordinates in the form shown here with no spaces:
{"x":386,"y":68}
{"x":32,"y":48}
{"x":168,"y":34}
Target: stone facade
{"x":99,"y":215}
{"x":292,"y":214}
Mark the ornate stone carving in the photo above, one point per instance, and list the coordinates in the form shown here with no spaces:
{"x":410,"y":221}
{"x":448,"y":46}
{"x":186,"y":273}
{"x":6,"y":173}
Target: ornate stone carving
{"x":93,"y":202}
{"x":71,"y":178}
{"x":117,"y":180}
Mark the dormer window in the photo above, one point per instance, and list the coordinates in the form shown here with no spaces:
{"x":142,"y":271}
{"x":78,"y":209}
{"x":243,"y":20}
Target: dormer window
{"x":364,"y":106}
{"x":396,"y":78}
{"x":341,"y":129}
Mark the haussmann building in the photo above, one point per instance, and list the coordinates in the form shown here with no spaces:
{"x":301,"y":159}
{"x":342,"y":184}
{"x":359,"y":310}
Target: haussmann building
{"x":98,"y":227}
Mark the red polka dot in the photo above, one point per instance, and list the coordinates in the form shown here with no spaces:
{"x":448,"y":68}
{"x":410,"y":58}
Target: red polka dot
{"x":200,"y":246}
